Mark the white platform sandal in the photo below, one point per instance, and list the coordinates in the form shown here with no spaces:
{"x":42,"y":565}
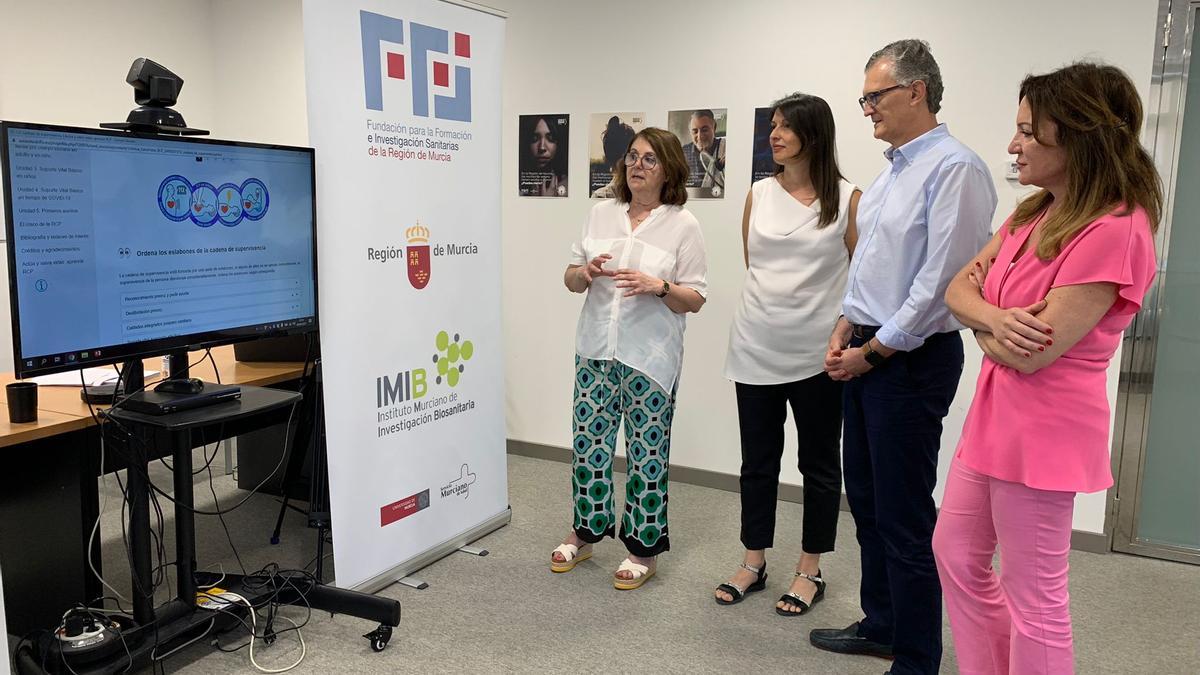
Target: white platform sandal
{"x":641,"y":574}
{"x":571,"y":557}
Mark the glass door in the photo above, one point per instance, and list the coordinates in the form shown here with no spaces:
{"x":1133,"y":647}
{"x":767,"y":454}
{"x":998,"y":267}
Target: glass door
{"x":1157,"y":440}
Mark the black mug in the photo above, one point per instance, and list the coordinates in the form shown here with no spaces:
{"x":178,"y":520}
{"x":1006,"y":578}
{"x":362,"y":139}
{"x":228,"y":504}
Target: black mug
{"x":22,"y":402}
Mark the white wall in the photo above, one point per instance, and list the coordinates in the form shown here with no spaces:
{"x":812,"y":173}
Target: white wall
{"x":258,"y":55}
{"x":660,"y":56}
{"x":244,"y":69}
{"x":65,"y":63}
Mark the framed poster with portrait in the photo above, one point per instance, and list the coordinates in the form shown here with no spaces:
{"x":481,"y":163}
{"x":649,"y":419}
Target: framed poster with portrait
{"x":543,"y":152}
{"x":701,"y":131}
{"x":609,"y":137}
{"x":762,"y":163}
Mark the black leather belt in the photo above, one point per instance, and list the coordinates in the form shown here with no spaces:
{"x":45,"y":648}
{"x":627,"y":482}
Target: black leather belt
{"x":864,"y":332}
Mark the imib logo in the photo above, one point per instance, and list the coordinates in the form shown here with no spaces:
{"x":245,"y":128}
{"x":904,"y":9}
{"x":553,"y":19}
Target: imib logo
{"x":416,"y":48}
{"x":411,"y":385}
{"x":451,"y":357}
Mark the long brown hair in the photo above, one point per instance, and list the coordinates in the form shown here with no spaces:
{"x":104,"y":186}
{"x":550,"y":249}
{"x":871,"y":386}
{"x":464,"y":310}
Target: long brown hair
{"x":810,"y":118}
{"x":1099,"y":118}
{"x":670,"y":157}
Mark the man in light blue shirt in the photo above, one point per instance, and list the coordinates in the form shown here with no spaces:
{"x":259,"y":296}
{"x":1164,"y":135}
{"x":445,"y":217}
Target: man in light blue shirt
{"x":898,"y":349}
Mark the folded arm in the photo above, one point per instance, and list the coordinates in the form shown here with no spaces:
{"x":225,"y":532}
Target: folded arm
{"x":1073,"y":311}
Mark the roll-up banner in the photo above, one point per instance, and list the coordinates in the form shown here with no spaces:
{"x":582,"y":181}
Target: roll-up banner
{"x":404,"y":113}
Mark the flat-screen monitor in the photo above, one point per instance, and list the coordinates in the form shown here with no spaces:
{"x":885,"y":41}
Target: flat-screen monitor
{"x":123,"y":245}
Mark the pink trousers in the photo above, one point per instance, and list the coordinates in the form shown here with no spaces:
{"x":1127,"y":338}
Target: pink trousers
{"x":1017,"y":620}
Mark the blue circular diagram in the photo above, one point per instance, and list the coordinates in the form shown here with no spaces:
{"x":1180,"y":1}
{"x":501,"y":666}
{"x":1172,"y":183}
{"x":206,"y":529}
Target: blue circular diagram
{"x":175,"y":198}
{"x":255,"y":199}
{"x":204,"y":204}
{"x":229,"y":204}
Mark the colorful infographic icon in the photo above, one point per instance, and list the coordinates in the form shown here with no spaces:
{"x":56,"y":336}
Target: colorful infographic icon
{"x":175,"y":198}
{"x":229,"y":204}
{"x":255,"y":199}
{"x":204,"y":204}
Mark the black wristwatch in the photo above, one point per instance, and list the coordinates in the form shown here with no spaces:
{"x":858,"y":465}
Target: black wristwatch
{"x":873,"y":357}
{"x":666,"y":289}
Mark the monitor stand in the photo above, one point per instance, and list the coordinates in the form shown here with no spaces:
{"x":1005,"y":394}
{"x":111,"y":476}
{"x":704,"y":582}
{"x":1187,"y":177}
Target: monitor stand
{"x":133,"y":379}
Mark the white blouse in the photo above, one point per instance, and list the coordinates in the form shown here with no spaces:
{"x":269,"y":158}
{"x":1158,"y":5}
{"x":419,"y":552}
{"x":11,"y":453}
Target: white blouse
{"x":639,"y":331}
{"x":792,"y":295}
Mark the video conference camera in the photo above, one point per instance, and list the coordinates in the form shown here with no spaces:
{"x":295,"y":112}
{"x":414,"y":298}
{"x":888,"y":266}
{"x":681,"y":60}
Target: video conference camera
{"x":155,"y":90}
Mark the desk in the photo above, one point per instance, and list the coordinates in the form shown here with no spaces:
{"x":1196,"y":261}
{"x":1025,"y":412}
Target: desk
{"x":66,"y":401}
{"x":49,"y":499}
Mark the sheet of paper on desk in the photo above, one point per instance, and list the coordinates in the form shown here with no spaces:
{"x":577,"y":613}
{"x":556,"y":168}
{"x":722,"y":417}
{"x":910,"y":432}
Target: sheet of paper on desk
{"x":92,"y":376}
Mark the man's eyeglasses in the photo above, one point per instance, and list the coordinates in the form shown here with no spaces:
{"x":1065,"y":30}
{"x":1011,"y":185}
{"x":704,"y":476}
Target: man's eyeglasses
{"x":871,"y":98}
{"x":648,"y":161}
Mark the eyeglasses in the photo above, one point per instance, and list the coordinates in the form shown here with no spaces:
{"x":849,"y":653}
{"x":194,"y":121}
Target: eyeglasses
{"x":648,"y":161}
{"x":872,"y":97}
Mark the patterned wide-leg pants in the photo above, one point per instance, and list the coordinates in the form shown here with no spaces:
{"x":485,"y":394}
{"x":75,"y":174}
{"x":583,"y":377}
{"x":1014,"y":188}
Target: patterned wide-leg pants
{"x":606,"y":391}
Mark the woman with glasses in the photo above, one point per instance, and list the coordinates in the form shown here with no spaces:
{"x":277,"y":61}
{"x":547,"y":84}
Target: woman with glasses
{"x":1048,"y":298}
{"x":641,"y":263}
{"x":798,"y":233}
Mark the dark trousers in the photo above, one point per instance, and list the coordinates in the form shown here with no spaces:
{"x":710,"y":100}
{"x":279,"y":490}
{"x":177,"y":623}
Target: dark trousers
{"x":762,"y":412}
{"x":893,"y":429}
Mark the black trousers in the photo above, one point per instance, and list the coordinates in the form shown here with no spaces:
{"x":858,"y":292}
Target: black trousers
{"x":762,"y":412}
{"x":893,"y":433}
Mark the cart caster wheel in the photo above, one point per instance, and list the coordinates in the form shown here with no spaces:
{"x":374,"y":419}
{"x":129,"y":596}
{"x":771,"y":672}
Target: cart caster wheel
{"x":379,"y":638}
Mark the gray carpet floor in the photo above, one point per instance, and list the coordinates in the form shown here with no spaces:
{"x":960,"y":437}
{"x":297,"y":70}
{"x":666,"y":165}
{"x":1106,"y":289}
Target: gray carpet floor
{"x":507,"y":612}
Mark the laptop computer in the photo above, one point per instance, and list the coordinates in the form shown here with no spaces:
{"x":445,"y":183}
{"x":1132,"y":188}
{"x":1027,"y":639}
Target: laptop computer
{"x":152,"y":402}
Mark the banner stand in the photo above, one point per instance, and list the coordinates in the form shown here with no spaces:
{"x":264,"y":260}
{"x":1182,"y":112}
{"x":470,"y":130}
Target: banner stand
{"x":402,"y":573}
{"x":404,"y":111}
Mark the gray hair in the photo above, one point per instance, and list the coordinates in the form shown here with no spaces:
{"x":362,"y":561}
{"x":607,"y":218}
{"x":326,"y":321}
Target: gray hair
{"x":912,"y":60}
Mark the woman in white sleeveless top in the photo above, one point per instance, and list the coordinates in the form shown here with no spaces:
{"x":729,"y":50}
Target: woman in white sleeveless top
{"x":798,"y":234}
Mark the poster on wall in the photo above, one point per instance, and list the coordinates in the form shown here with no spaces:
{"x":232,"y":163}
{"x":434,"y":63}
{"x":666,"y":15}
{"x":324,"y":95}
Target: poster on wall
{"x":702,"y":133}
{"x":404,"y":113}
{"x":762,"y":164}
{"x":609,"y":136}
{"x":542,"y":170}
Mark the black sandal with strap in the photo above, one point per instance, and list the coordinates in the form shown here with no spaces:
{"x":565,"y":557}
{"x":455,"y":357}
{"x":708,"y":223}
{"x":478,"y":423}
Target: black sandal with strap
{"x":739,"y":594}
{"x":795,"y":600}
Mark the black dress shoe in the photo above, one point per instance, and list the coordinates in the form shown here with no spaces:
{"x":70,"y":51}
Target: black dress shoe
{"x":847,"y":641}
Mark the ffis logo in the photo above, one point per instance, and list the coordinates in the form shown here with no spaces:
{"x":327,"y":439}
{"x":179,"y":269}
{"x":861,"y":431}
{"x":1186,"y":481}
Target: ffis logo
{"x":422,"y":51}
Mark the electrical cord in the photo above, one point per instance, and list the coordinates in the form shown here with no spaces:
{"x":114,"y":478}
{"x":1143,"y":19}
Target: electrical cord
{"x":271,"y":575}
{"x":212,"y":622}
{"x":96,"y":527}
{"x":230,"y":599}
{"x":216,"y":371}
{"x":215,"y":583}
{"x":254,"y":491}
{"x":125,"y":494}
{"x":158,"y":537}
{"x":217,"y":502}
{"x":272,"y":572}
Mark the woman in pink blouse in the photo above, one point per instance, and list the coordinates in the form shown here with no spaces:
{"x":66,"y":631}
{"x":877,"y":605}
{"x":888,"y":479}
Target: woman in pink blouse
{"x":1048,"y":299}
